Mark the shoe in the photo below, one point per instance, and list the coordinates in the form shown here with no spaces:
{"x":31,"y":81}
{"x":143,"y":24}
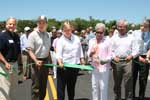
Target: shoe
{"x":141,"y":98}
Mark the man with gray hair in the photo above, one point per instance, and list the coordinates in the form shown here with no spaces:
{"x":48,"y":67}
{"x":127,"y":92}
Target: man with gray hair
{"x":38,"y":49}
{"x":123,"y":51}
{"x":10,"y":58}
{"x":100,"y":53}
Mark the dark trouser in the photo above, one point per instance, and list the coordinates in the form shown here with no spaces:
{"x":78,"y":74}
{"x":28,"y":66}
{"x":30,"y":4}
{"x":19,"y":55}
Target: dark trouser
{"x":39,"y":78}
{"x":66,"y":77}
{"x":143,"y":70}
{"x":123,"y":70}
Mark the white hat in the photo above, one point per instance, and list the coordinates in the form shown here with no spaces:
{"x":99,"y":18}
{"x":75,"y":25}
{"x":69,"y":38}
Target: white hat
{"x":27,"y":29}
{"x":59,"y":31}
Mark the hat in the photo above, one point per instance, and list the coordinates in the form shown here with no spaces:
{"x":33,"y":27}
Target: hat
{"x":42,"y":18}
{"x":59,"y":31}
{"x":53,"y":27}
{"x":27,"y":29}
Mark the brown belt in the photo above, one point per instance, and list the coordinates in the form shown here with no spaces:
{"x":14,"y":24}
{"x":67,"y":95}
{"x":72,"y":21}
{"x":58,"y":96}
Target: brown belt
{"x":43,"y":59}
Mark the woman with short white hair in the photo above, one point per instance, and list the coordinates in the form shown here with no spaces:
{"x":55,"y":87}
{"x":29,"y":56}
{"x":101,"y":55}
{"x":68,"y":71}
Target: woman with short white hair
{"x":100,"y":52}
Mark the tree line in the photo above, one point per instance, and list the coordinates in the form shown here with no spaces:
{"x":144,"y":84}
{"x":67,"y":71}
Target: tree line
{"x":78,"y":24}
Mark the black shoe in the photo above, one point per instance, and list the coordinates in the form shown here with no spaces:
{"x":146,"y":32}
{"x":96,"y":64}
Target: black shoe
{"x":141,"y":98}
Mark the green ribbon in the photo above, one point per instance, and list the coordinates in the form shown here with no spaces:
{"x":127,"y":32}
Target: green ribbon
{"x":66,"y":65}
{"x":4,"y":74}
{"x":140,"y":63}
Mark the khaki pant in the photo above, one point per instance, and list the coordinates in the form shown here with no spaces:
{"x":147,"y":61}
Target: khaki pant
{"x":123,"y":71}
{"x":39,"y":78}
{"x":8,"y":84}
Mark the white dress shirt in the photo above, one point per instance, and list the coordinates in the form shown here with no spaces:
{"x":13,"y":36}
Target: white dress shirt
{"x":123,"y":46}
{"x":70,"y":51}
{"x":142,"y":39}
{"x":137,"y":34}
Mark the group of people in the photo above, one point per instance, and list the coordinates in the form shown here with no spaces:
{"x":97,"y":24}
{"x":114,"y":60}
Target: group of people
{"x":126,"y":53}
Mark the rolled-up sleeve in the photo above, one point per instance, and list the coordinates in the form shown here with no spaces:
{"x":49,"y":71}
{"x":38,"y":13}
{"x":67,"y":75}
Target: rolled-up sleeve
{"x":59,"y":49}
{"x":81,"y":51}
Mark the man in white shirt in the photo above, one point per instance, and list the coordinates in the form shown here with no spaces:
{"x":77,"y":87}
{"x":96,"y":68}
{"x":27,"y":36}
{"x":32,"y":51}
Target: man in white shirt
{"x":123,"y":50}
{"x":25,"y":59}
{"x":140,"y":65}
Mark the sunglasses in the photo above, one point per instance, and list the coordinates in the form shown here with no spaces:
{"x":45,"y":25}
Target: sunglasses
{"x":99,"y":32}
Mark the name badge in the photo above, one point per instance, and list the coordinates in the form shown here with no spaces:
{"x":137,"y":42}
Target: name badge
{"x":11,"y":41}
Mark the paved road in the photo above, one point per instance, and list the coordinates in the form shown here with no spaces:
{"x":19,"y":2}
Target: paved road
{"x":83,"y":88}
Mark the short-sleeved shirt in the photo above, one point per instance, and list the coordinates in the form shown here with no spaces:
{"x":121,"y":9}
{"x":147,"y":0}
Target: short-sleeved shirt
{"x":39,"y":43}
{"x":69,"y":50}
{"x":10,"y":45}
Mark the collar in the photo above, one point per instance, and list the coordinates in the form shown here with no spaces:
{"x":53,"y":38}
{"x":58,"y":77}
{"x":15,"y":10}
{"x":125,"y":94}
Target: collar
{"x":125,"y":35}
{"x":71,"y":37}
{"x":10,"y":33}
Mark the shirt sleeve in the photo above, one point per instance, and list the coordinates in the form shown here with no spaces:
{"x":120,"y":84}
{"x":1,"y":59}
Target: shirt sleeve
{"x":113,"y":47}
{"x":1,"y":44}
{"x":81,"y":51}
{"x":135,"y":49}
{"x":30,"y":41}
{"x":54,"y":43}
{"x":90,"y":47}
{"x":109,"y":56}
{"x":148,"y":46}
{"x":59,"y":49}
{"x":21,"y":43}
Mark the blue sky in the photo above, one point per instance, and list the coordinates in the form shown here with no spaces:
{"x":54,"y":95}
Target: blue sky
{"x":132,"y":10}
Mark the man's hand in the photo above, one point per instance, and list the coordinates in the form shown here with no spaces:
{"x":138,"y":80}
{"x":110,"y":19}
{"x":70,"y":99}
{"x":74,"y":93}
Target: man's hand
{"x":38,"y":63}
{"x":128,"y":58}
{"x":141,"y":59}
{"x":116,"y":59}
{"x":8,"y":66}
